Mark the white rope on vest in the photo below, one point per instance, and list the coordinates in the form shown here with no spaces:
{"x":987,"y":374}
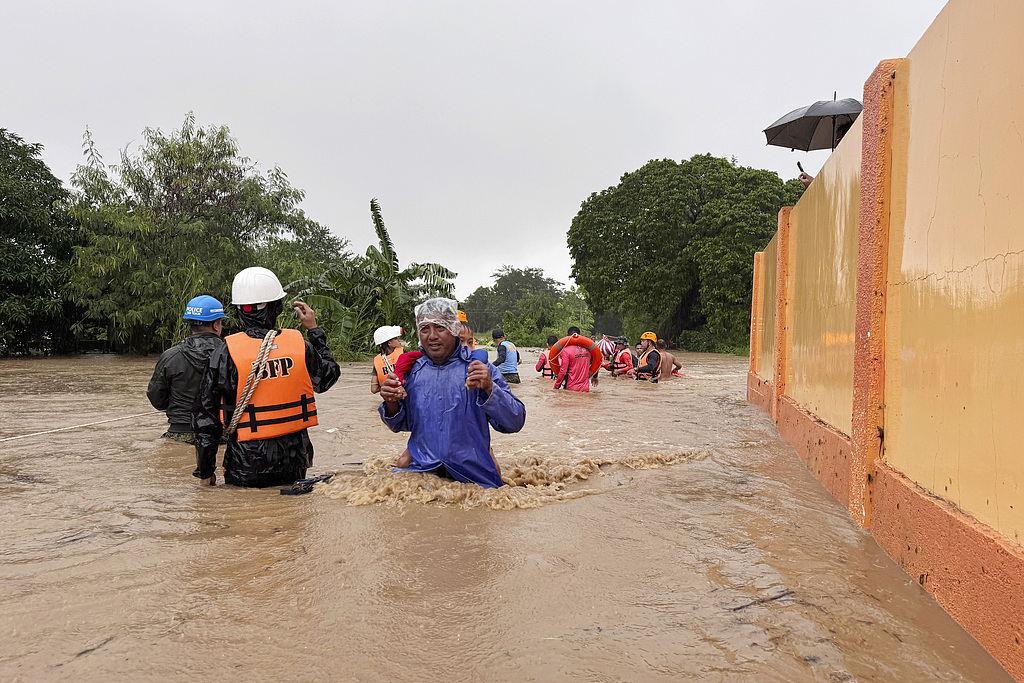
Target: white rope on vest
{"x":255,"y":375}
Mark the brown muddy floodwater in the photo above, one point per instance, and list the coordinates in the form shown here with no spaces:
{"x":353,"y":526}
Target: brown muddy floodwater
{"x":655,"y":533}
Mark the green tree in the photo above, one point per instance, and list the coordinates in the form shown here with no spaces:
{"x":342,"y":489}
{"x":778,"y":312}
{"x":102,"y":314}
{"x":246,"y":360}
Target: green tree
{"x":573,"y":310}
{"x":528,"y":306}
{"x":176,"y":219}
{"x":487,"y":306}
{"x":670,"y":248}
{"x":37,"y":236}
{"x":530,"y":316}
{"x":537,"y":316}
{"x":607,"y":323}
{"x":364,"y":293}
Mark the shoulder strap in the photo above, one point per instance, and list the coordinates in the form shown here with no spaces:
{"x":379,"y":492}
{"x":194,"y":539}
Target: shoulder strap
{"x":255,"y":374}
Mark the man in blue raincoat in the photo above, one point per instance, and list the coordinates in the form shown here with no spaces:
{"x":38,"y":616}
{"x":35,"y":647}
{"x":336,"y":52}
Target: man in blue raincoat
{"x":448,"y":401}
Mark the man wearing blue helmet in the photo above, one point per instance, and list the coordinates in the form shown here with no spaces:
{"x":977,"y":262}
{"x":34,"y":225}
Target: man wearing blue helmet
{"x":180,"y":369}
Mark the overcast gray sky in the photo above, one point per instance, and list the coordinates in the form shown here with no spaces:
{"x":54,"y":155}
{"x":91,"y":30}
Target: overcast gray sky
{"x":480,"y":126}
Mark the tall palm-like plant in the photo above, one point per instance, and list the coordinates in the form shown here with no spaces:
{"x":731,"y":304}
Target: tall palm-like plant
{"x":394,"y":291}
{"x":360,"y":295}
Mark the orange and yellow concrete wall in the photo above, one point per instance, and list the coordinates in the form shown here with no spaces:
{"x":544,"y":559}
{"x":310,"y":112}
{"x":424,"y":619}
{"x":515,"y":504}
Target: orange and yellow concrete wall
{"x":887,"y":326}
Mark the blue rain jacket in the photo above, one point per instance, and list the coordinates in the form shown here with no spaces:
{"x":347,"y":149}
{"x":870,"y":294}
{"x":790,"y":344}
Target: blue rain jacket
{"x":449,"y":423}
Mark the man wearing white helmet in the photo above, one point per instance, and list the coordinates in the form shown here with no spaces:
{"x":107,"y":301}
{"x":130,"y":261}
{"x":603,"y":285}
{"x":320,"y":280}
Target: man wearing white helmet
{"x":389,"y":343}
{"x":450,"y":402}
{"x":270,"y":446}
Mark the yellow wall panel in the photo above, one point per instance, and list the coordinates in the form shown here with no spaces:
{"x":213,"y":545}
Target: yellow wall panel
{"x":824,"y":228}
{"x":766,"y":362}
{"x":954,"y":359}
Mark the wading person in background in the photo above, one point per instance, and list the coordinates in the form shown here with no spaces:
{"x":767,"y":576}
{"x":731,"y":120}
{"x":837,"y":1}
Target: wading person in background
{"x":669,"y":364}
{"x":508,"y":359}
{"x":179,"y":371}
{"x":574,"y":366}
{"x":449,"y":402}
{"x":622,"y":360}
{"x":270,"y":446}
{"x":648,"y":368}
{"x":389,"y":345}
{"x":544,"y":363}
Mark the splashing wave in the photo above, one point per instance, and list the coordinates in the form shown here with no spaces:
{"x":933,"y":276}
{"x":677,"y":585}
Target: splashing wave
{"x":531,"y":481}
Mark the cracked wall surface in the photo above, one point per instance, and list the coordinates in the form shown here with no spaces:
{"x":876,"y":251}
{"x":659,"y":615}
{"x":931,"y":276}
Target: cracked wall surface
{"x":954,"y":344}
{"x":933,"y":465}
{"x":824,"y":226}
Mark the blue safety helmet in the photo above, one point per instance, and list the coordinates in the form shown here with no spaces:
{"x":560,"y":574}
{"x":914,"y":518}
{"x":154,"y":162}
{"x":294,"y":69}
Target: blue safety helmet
{"x":204,"y":309}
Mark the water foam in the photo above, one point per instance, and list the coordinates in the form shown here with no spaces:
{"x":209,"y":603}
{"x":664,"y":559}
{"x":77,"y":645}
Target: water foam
{"x":531,"y":481}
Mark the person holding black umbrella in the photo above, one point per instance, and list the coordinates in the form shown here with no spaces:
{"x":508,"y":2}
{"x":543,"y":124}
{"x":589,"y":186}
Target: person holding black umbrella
{"x":817,"y":126}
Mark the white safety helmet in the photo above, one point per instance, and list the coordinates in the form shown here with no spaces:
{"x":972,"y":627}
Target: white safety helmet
{"x":386,"y":333}
{"x":256,"y":286}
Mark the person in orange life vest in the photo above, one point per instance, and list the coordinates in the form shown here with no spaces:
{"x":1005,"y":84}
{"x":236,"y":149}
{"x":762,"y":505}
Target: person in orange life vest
{"x":388,"y":341}
{"x":271,"y":446}
{"x":622,"y":360}
{"x":384,"y":364}
{"x":543,"y":363}
{"x":466,"y":333}
{"x":649,"y":365}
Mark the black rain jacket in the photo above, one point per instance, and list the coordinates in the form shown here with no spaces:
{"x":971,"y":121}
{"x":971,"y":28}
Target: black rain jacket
{"x":276,"y":461}
{"x":177,"y":376}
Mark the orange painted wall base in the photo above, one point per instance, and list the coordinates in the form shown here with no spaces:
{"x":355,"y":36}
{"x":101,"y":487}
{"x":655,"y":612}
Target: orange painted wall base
{"x":760,"y":392}
{"x":824,"y":449}
{"x":975,"y":574}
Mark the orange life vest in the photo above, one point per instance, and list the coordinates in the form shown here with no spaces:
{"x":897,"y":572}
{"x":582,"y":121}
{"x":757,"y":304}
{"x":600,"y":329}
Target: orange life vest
{"x":283,"y":400}
{"x":378,"y":363}
{"x":651,"y":377}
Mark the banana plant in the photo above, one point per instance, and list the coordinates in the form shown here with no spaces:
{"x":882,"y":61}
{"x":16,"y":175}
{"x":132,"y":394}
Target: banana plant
{"x":372,"y":290}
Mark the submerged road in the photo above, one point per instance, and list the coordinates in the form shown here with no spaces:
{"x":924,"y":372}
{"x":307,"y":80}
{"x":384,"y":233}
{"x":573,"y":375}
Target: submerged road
{"x":655,"y":533}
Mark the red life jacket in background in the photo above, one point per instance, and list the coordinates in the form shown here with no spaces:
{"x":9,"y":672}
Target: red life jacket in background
{"x":621,"y":361}
{"x":283,"y":400}
{"x":545,"y":370}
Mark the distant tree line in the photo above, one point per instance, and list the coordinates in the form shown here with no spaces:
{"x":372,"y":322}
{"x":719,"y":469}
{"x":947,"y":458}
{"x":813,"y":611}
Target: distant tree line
{"x":670,"y":248}
{"x":110,"y":263}
{"x":527,"y":306}
{"x":37,"y":241}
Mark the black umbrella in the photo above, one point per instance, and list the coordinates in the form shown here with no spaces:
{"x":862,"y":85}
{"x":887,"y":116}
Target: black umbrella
{"x":815,"y":126}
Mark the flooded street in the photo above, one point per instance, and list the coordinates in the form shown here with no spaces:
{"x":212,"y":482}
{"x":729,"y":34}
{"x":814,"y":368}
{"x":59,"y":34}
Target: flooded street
{"x":655,"y":533}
